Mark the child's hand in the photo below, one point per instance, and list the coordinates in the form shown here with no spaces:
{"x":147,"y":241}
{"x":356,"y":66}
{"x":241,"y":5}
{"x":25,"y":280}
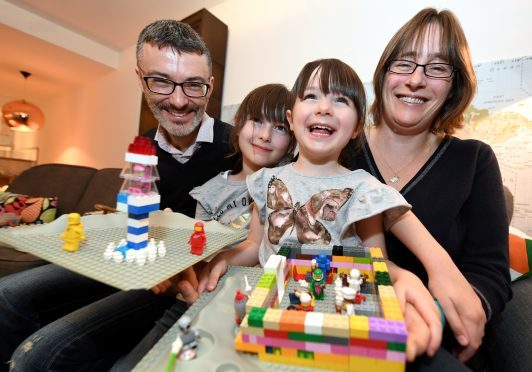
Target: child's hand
{"x":422,"y":316}
{"x":418,"y":333}
{"x":461,"y":306}
{"x":211,"y":273}
{"x":184,"y":283}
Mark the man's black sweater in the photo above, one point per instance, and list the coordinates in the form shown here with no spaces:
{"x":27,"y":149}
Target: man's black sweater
{"x":176,"y":179}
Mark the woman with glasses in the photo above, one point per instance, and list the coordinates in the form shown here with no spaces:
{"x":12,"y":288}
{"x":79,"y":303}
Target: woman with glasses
{"x":423,"y":84}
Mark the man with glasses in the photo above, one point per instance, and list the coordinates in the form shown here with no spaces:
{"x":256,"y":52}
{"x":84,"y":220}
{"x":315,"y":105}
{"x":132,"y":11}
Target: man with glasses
{"x":54,"y":319}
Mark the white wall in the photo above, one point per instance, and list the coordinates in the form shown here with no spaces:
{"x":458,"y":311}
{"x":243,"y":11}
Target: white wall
{"x":92,"y":125}
{"x":270,"y":40}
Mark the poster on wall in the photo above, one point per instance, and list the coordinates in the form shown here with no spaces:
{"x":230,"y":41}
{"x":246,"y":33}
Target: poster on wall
{"x":500,"y":115}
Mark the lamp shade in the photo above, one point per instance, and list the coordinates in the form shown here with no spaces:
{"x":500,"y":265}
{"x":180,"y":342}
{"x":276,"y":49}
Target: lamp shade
{"x":21,"y":112}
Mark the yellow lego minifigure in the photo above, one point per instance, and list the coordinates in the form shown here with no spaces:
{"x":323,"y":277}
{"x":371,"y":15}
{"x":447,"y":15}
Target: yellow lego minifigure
{"x":73,"y":234}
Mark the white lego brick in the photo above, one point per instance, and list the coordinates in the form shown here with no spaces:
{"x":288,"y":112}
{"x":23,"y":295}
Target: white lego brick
{"x":138,"y":223}
{"x":142,"y":200}
{"x":271,"y":265}
{"x":314,"y":323}
{"x":137,"y":238}
{"x":141,"y":159}
{"x":122,"y":207}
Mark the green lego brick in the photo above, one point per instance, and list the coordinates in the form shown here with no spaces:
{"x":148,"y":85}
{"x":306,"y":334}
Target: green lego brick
{"x":267,"y":281}
{"x":382,"y":278}
{"x":303,"y":354}
{"x":395,"y":346}
{"x":256,"y":316}
{"x":299,"y":336}
{"x":284,"y":251}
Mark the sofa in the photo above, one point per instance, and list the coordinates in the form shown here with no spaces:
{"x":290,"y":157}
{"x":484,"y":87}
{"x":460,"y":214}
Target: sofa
{"x":77,"y":188}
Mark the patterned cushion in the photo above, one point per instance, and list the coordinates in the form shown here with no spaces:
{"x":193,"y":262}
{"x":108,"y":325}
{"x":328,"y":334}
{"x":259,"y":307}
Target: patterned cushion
{"x":31,"y":209}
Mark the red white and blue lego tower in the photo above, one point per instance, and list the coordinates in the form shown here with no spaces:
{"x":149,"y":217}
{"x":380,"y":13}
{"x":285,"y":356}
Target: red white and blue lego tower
{"x":139,"y":195}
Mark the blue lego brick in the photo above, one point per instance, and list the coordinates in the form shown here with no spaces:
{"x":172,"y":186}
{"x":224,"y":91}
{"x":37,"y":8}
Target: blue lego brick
{"x":138,"y":245}
{"x":143,"y":210}
{"x":137,"y":230}
{"x":139,"y":216}
{"x":122,"y":197}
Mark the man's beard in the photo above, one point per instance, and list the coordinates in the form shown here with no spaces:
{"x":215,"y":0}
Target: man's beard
{"x":173,"y":129}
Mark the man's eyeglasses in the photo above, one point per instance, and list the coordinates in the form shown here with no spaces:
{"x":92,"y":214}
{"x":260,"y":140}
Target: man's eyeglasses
{"x":434,"y":70}
{"x":192,"y":89}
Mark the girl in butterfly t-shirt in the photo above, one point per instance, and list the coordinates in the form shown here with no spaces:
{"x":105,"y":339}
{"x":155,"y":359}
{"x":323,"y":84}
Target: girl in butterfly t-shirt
{"x":316,"y":200}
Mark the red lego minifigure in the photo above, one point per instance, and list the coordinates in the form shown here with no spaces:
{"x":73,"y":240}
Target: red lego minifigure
{"x":198,"y":239}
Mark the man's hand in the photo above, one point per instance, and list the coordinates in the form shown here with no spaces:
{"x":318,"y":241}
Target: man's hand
{"x":211,"y":273}
{"x":184,"y":283}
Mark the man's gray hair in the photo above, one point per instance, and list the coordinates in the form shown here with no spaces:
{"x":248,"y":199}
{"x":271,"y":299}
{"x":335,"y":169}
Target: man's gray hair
{"x":173,"y":34}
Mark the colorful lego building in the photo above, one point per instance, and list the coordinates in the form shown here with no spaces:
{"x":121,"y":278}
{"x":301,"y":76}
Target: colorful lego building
{"x":374,"y":338}
{"x":138,"y":195}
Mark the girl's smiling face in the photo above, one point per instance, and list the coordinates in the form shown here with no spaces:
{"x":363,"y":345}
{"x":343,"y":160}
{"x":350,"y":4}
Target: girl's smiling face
{"x":263,"y":143}
{"x":322,"y":123}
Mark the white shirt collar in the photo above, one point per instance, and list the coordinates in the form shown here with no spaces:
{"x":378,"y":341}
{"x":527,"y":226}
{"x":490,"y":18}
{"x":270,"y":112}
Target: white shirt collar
{"x":205,"y":134}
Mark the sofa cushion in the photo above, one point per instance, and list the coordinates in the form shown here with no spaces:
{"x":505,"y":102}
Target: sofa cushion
{"x":30,"y":209}
{"x":102,"y":189}
{"x":67,"y":182}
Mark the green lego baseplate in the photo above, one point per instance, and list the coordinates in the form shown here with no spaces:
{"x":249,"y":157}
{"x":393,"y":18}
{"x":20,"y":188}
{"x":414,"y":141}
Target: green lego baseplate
{"x":173,"y":228}
{"x":216,"y":351}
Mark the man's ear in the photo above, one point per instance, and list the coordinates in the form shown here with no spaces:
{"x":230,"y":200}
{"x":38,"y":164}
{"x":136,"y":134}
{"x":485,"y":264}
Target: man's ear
{"x":289,"y":118}
{"x":211,"y":89}
{"x":139,"y":80}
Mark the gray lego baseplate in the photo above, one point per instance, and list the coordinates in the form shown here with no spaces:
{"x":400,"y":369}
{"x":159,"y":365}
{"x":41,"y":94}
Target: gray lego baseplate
{"x":44,"y":241}
{"x":214,"y":317}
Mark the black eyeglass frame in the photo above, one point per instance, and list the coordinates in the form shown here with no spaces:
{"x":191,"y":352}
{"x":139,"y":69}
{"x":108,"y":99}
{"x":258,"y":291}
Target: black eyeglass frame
{"x":182,"y":85}
{"x":416,"y":65}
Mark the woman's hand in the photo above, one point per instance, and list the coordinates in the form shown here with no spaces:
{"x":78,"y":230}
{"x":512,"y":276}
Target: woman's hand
{"x":461,"y":306}
{"x":422,"y":316}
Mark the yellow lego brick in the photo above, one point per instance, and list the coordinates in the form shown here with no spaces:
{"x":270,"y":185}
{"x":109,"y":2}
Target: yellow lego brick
{"x":343,"y":259}
{"x":386,"y":291}
{"x":375,"y":252}
{"x":246,"y":329}
{"x":247,"y":347}
{"x":359,"y":327}
{"x":389,"y":366}
{"x":272,"y":319}
{"x":289,"y":352}
{"x":330,"y":366}
{"x":344,"y":270}
{"x":361,"y":364}
{"x":331,"y":358}
{"x":336,"y":325}
{"x":380,"y":266}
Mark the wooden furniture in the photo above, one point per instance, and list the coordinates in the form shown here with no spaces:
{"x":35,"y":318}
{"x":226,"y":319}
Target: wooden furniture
{"x":214,"y":33}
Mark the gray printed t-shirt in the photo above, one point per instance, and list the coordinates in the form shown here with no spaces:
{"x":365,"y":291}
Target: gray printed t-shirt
{"x":223,"y":200}
{"x":297,"y":209}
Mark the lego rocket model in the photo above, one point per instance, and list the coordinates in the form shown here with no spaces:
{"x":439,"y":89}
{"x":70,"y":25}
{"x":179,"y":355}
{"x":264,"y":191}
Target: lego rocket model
{"x":138,"y":195}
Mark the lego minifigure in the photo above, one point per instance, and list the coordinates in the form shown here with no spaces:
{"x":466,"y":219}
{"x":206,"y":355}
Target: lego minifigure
{"x":189,"y":339}
{"x":241,"y":300}
{"x":198,"y":239}
{"x":324,"y":263}
{"x":354,"y":280}
{"x":73,"y":233}
{"x":317,"y":285}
